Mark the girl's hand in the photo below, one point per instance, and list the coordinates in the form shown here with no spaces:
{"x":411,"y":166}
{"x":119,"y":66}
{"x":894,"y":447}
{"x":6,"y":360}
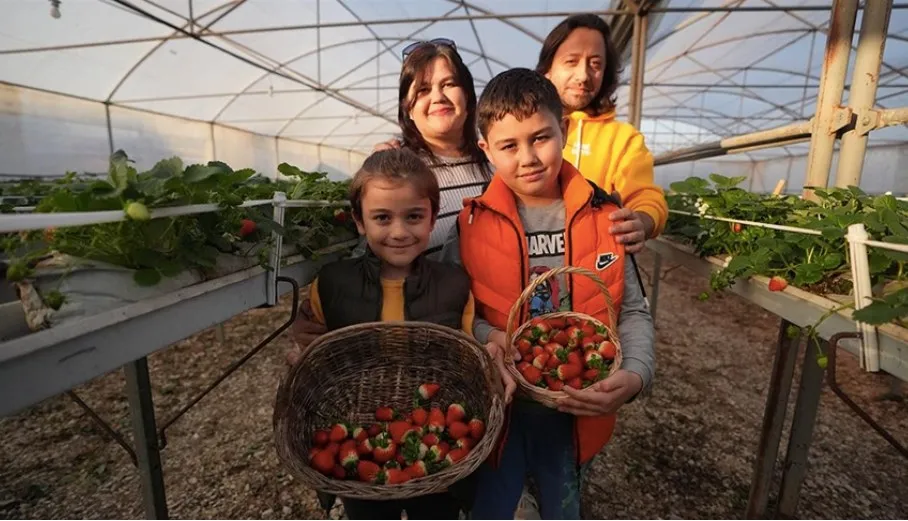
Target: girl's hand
{"x":603,"y":397}
{"x":497,"y":354}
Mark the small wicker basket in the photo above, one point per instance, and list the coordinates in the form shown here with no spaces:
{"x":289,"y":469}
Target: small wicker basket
{"x":345,"y":375}
{"x":548,"y":397}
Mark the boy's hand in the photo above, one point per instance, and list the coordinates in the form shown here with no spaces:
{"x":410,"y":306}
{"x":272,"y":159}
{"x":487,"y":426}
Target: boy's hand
{"x":497,"y":354}
{"x":603,"y":397}
{"x":633,"y":229}
{"x":303,"y":332}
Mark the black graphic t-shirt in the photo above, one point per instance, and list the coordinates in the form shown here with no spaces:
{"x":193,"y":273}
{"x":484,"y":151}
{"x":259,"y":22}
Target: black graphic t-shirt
{"x":544,"y":227}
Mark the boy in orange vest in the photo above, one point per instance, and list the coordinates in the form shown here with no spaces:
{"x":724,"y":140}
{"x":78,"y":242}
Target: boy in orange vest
{"x":540,"y":213}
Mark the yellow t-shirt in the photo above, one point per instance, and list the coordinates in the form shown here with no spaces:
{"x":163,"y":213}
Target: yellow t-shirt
{"x":392,"y":306}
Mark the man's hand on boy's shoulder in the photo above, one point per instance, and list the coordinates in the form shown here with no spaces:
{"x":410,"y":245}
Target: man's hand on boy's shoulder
{"x":603,"y":397}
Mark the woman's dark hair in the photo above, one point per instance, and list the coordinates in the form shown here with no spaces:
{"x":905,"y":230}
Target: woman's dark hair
{"x":414,"y":70}
{"x":605,"y":99}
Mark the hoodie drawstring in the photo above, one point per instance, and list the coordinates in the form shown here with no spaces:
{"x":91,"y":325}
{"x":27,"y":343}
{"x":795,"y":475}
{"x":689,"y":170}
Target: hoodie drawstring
{"x":579,"y":143}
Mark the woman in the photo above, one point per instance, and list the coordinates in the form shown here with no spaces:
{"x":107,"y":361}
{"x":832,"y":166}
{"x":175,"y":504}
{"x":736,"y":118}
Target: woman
{"x":579,"y":57}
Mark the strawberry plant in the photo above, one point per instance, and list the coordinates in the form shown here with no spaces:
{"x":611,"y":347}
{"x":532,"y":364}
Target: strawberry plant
{"x":815,"y":263}
{"x":163,"y":247}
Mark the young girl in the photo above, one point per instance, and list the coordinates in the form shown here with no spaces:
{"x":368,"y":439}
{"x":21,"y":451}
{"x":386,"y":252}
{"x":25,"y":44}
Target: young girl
{"x":395,"y":200}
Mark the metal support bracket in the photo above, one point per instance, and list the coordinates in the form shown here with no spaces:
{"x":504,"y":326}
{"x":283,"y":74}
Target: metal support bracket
{"x":294,"y":311}
{"x":841,"y":118}
{"x":866,"y":120}
{"x":108,"y":430}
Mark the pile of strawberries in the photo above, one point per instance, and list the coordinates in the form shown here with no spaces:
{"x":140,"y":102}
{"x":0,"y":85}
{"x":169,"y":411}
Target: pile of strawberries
{"x":558,"y":352}
{"x":399,"y":446}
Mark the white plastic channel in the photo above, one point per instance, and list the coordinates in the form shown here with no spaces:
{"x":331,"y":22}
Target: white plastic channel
{"x":779,"y":227}
{"x":41,"y":221}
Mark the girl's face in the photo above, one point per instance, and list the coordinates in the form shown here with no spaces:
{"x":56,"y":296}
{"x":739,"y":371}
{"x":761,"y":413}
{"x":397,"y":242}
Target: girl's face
{"x":439,"y":103}
{"x":397,"y":222}
{"x":578,"y":67}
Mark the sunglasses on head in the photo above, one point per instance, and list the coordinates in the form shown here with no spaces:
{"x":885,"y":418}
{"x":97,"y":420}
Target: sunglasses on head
{"x":437,"y":41}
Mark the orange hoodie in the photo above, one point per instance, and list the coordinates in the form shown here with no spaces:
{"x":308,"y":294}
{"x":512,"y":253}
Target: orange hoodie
{"x":612,"y":154}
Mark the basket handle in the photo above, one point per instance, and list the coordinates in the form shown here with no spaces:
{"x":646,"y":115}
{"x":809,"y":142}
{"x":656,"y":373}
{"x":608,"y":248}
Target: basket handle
{"x":528,"y":291}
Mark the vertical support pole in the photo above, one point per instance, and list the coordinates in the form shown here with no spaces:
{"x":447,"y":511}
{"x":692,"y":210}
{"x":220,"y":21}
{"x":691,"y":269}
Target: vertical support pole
{"x":654,"y":292}
{"x":828,"y":117}
{"x":773,"y":420}
{"x":863,"y":294}
{"x":141,"y":409}
{"x":278,"y":242}
{"x":802,"y":423}
{"x":864,"y":81}
{"x":638,"y":54}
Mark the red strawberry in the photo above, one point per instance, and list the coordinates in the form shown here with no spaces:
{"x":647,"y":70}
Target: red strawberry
{"x":436,"y":421}
{"x":417,"y":470}
{"x":556,"y":385}
{"x":436,"y":453}
{"x":247,"y":226}
{"x":348,"y":456}
{"x":540,"y":361}
{"x":323,"y":462}
{"x":537,"y":350}
{"x":398,"y":429}
{"x":320,"y":438}
{"x":607,"y":350}
{"x":531,"y":374}
{"x":339,"y":433}
{"x":456,"y":413}
{"x":384,"y":414}
{"x":591,"y":374}
{"x":477,"y":428}
{"x":465,"y":443}
{"x":575,"y":333}
{"x":427,"y":391}
{"x":553,"y":362}
{"x":588,"y":330}
{"x":368,"y":471}
{"x":364,"y":448}
{"x":565,"y":372}
{"x":341,"y":216}
{"x":593,"y":360}
{"x":332,"y":448}
{"x":736,"y":227}
{"x":561,"y":337}
{"x":456,"y":455}
{"x":524,"y":346}
{"x":359,"y":434}
{"x":374,"y":430}
{"x":419,"y":416}
{"x":777,"y":283}
{"x":557,"y":350}
{"x":522,"y":365}
{"x":458,"y":430}
{"x":430,"y":439}
{"x":575,"y":382}
{"x":396,"y":477}
{"x":339,"y":472}
{"x":557,"y":323}
{"x":383,"y":449}
{"x":574,"y":358}
{"x":400,"y":460}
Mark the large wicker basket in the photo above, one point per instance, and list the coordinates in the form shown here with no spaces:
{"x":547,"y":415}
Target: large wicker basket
{"x":347,"y":374}
{"x":548,"y":397}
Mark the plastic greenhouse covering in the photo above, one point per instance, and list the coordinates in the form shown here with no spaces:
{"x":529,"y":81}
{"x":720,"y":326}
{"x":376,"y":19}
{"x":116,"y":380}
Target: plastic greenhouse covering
{"x":314,"y":82}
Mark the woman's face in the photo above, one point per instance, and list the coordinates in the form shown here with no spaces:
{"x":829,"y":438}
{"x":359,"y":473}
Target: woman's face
{"x":578,"y":67}
{"x":439,"y":103}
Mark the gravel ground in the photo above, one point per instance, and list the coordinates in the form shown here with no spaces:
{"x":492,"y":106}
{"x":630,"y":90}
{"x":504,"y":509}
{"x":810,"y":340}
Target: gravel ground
{"x":687,"y":451}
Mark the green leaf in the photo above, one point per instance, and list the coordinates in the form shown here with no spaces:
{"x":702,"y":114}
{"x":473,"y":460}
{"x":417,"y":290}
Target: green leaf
{"x":881,"y":311}
{"x":167,"y":168}
{"x":147,"y":277}
{"x":891,"y":219}
{"x":152,"y":187}
{"x":269,"y":225}
{"x":873,"y":223}
{"x":289,"y":170}
{"x":149,"y":258}
{"x":833,"y":233}
{"x":170,"y":268}
{"x":878,"y":261}
{"x":726,"y":182}
{"x":198,"y":173}
{"x":897,"y":256}
{"x":831,"y":261}
{"x":808,"y":273}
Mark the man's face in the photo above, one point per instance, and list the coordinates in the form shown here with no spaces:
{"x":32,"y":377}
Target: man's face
{"x":578,"y":67}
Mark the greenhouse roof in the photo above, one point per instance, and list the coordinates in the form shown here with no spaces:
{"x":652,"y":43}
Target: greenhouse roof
{"x":325,"y":71}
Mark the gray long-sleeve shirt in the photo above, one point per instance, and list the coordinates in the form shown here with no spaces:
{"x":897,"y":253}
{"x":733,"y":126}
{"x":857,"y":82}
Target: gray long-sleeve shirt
{"x":544,"y":227}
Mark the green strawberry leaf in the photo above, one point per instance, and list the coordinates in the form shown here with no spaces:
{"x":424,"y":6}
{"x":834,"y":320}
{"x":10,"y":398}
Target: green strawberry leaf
{"x":147,"y":277}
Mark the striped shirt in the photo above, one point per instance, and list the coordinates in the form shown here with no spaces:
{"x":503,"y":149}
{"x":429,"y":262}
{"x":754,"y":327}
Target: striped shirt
{"x":458,"y":178}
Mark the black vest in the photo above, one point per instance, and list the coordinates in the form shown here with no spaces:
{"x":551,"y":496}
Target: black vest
{"x":350,"y":292}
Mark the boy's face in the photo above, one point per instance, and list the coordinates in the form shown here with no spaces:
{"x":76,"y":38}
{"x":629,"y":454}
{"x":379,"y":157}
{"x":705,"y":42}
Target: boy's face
{"x":578,"y":68}
{"x":527,"y":155}
{"x":397,"y":222}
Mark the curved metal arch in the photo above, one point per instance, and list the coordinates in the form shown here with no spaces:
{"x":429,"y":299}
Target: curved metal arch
{"x":739,"y":69}
{"x":501,"y":17}
{"x":235,"y":5}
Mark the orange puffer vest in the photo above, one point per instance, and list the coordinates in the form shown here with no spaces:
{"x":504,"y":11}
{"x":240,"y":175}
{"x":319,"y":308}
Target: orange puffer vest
{"x":492,"y":237}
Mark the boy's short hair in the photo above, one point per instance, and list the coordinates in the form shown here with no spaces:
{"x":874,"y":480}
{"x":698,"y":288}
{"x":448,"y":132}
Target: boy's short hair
{"x":396,"y":166}
{"x":519,"y":92}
